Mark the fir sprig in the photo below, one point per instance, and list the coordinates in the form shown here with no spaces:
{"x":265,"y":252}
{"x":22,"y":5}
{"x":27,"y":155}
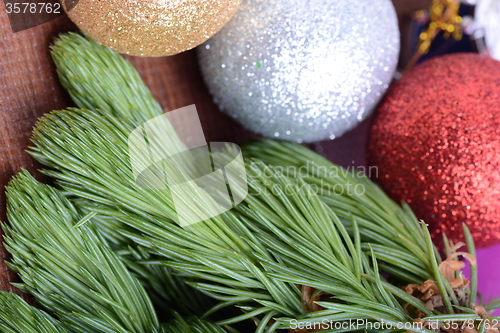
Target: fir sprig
{"x":17,"y":316}
{"x":80,"y":60}
{"x":73,"y":273}
{"x":70,"y":270}
{"x":267,"y":253}
{"x":167,"y":291}
{"x":259,"y":253}
{"x":190,"y":325}
{"x":393,"y":231}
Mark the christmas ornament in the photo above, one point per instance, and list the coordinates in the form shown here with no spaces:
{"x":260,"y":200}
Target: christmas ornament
{"x":443,"y":16}
{"x":151,"y":28}
{"x":436,"y":143}
{"x":262,"y":252}
{"x":302,"y":71}
{"x":488,"y":17}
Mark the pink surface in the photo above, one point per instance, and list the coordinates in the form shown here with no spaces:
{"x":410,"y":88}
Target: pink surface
{"x":488,"y":263}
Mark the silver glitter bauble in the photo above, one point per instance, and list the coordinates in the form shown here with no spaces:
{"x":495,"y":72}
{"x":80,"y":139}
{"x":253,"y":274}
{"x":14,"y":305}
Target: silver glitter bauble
{"x":487,"y":16}
{"x":302,"y":70}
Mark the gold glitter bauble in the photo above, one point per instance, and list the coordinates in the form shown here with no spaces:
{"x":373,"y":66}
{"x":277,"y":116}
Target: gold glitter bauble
{"x":152,"y":27}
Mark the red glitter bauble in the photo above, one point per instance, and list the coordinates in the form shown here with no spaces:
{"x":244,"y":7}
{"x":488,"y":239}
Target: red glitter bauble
{"x":436,"y":143}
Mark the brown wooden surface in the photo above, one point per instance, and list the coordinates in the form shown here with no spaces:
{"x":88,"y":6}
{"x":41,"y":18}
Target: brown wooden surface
{"x":29,"y":88}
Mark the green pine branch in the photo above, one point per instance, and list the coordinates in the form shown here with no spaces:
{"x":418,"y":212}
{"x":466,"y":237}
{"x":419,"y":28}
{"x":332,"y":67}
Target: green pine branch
{"x":190,"y":325}
{"x":17,"y":316}
{"x":167,"y":291}
{"x":80,"y":60}
{"x":68,"y":267}
{"x":99,"y":78}
{"x":258,"y":255}
{"x":393,"y":231}
{"x":72,"y":272}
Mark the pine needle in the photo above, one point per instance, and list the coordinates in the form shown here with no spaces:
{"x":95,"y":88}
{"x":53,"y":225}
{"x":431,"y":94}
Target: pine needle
{"x":119,"y":89}
{"x":349,"y":193}
{"x":473,"y":268}
{"x":259,"y":254}
{"x":245,"y":250}
{"x":71,"y":271}
{"x":167,"y":291}
{"x":17,"y":316}
{"x":190,"y":325}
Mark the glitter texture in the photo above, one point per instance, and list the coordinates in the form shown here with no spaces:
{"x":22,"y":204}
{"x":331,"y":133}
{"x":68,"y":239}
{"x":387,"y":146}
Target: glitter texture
{"x":152,"y":27}
{"x":302,"y":70}
{"x":436,"y":142}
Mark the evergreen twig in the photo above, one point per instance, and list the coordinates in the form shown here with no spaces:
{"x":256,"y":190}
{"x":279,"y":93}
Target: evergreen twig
{"x":80,"y":60}
{"x":17,"y":316}
{"x":258,"y":255}
{"x":190,"y":325}
{"x":70,"y":270}
{"x":350,"y":193}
